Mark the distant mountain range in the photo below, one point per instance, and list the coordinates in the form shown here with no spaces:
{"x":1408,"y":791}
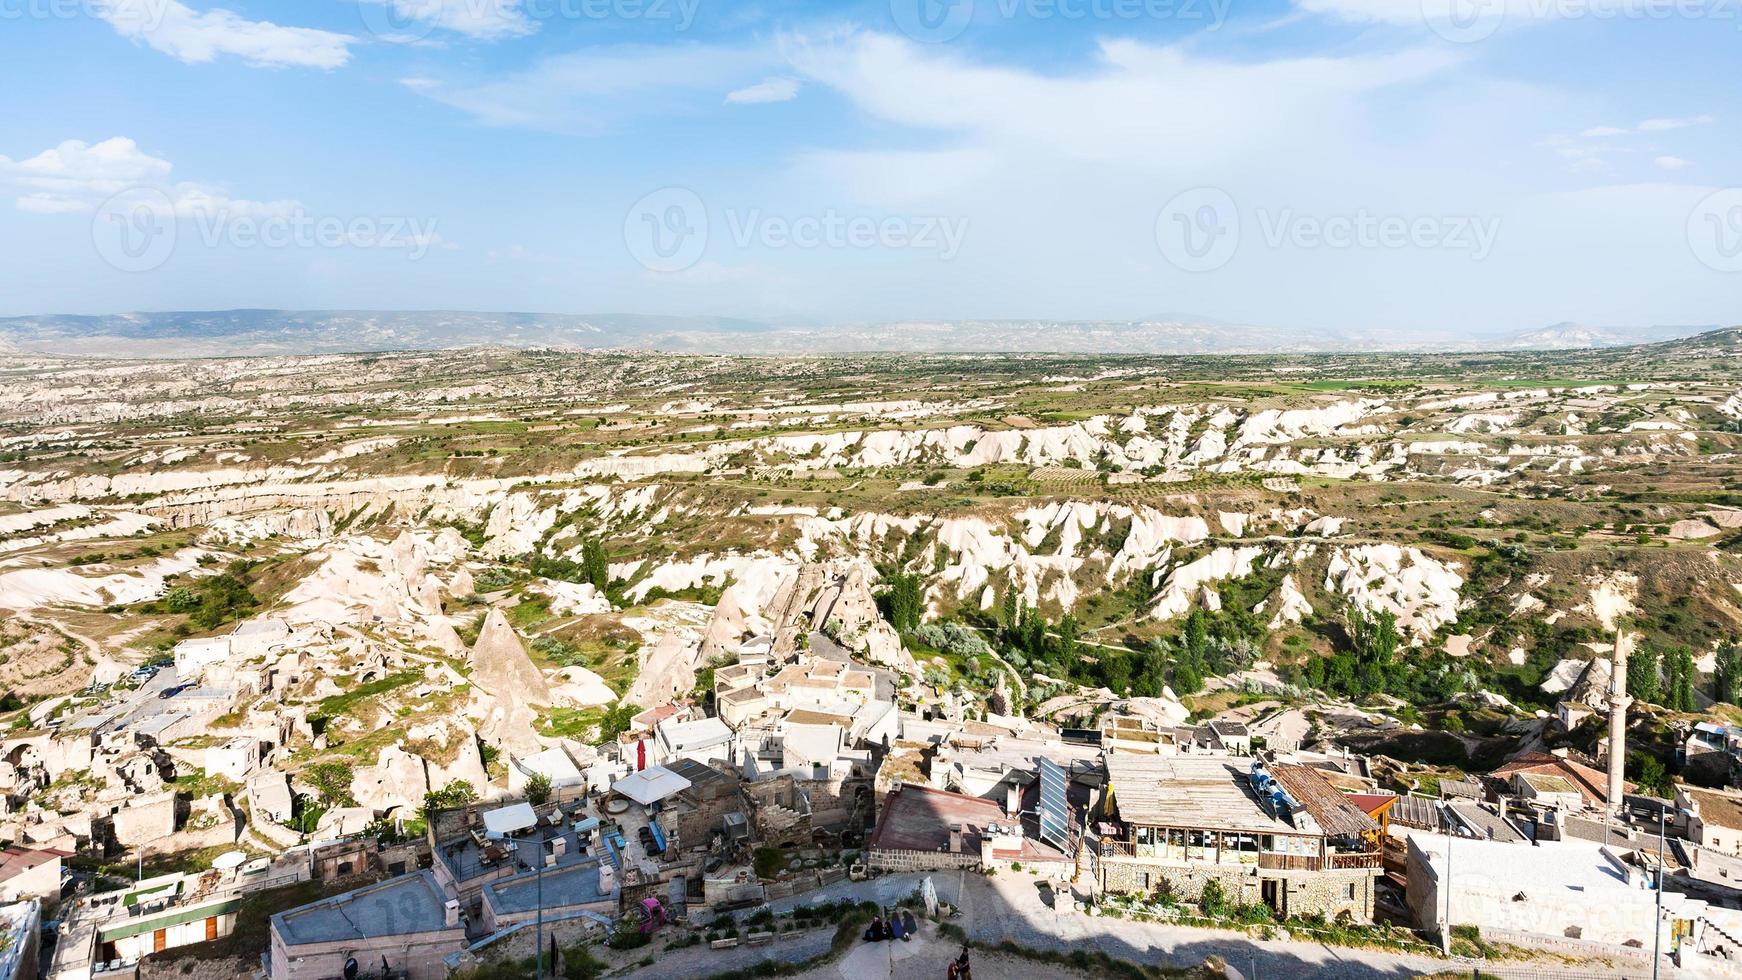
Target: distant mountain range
{"x":276,"y":332}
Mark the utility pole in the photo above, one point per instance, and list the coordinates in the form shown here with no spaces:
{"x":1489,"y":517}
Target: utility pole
{"x":538,"y":925}
{"x":1446,"y":933}
{"x":1657,"y":930}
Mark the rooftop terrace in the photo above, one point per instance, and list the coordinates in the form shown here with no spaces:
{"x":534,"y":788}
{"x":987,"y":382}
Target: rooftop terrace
{"x":402,"y":906}
{"x":575,"y":883}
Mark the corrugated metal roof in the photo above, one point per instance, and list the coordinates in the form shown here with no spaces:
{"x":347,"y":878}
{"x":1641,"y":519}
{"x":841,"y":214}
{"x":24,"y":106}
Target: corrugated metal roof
{"x":1332,"y":810}
{"x":1188,"y":791}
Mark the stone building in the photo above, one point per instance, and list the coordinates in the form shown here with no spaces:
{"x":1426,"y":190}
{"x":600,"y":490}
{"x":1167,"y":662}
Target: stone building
{"x":924,"y":829}
{"x":409,"y":924}
{"x":1713,"y":817}
{"x":1278,"y":835}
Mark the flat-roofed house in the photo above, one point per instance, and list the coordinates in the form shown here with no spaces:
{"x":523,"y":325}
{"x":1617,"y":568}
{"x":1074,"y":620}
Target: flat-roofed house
{"x":1280,"y":835}
{"x":1714,"y":817}
{"x":567,"y":892}
{"x":407,"y":923}
{"x":703,"y":740}
{"x":924,"y":829}
{"x":30,"y":873}
{"x":270,"y":798}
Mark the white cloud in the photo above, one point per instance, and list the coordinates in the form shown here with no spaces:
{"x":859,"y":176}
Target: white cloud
{"x":485,"y":20}
{"x":1665,"y":123}
{"x":1139,"y":105}
{"x":76,"y":177}
{"x":591,"y":89}
{"x":1657,"y":125}
{"x":767,"y":90}
{"x":76,"y":170}
{"x":1609,"y":141}
{"x":196,"y":38}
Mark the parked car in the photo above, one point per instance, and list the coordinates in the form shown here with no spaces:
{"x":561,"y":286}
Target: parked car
{"x":170,"y":692}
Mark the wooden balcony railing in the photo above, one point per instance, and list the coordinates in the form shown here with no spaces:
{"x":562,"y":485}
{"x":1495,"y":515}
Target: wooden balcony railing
{"x":1269,"y":861}
{"x":1118,"y":848}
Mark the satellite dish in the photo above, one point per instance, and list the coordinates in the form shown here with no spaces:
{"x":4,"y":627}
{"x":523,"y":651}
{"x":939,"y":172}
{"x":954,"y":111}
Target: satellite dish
{"x":351,"y":968}
{"x":229,"y":860}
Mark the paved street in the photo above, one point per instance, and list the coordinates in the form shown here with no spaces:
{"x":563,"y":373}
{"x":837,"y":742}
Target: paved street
{"x":1012,"y":906}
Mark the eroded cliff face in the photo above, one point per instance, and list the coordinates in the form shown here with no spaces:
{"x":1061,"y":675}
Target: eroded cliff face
{"x":473,"y":556}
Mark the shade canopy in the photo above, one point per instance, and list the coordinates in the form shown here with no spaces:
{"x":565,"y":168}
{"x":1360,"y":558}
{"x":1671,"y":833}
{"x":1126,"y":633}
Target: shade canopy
{"x":511,"y":819}
{"x":650,"y":785}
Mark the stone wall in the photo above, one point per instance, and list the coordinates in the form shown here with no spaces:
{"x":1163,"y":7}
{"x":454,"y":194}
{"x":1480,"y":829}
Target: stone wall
{"x":1239,"y":883}
{"x":892,"y":860}
{"x":1296,"y":893}
{"x":1330,"y":893}
{"x":146,"y":820}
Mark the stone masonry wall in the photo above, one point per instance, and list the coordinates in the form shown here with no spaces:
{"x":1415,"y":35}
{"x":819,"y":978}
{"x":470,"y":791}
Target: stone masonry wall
{"x":886,"y":860}
{"x":1300,"y":892}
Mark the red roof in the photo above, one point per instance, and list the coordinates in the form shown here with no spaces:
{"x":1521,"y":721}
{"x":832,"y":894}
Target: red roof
{"x":1592,"y":784}
{"x":919,"y":818}
{"x":15,"y":861}
{"x":1372,"y":803}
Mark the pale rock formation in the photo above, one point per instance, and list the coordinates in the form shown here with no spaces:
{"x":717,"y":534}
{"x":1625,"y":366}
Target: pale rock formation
{"x":1611,"y":598}
{"x":1291,"y":605}
{"x":1421,"y":591}
{"x":397,"y":779}
{"x":29,"y":588}
{"x":1692,"y":529}
{"x":670,"y":671}
{"x":511,"y":683}
{"x":727,"y":627}
{"x":501,"y":667}
{"x":581,"y":688}
{"x":461,"y":585}
{"x":574,"y":599}
{"x":1191,"y":580}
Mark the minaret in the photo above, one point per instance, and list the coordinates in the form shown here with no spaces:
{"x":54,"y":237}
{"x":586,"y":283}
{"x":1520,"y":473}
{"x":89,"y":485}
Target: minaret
{"x":1618,"y":702}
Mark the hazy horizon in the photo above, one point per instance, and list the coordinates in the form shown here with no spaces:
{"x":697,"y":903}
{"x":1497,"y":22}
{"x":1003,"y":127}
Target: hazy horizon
{"x":1340,"y":165}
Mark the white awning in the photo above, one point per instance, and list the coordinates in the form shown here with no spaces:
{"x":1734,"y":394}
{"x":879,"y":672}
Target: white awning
{"x":502,"y":821}
{"x":650,"y":785}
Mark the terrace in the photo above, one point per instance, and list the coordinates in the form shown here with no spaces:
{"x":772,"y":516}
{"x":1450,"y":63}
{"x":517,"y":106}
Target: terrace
{"x":1207,"y":810}
{"x":557,"y":837}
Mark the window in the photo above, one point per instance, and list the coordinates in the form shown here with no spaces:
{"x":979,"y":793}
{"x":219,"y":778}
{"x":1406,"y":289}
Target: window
{"x":1349,"y":891}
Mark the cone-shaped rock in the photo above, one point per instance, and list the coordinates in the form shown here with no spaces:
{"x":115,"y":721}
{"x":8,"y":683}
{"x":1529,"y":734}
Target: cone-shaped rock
{"x":500,"y":664}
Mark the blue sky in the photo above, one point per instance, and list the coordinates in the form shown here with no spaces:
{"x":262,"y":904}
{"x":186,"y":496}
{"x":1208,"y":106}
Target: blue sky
{"x":1413,"y":166}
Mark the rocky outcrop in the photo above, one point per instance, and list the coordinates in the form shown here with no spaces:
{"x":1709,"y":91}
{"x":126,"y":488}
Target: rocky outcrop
{"x":501,"y":667}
